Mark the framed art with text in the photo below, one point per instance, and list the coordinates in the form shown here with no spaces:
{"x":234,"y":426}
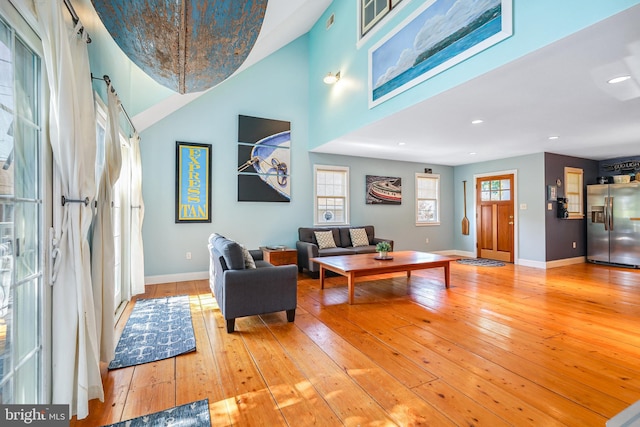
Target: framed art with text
{"x":193,"y":182}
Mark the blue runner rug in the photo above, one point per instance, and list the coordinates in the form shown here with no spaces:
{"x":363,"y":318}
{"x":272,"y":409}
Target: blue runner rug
{"x":158,"y":328}
{"x":195,"y":414}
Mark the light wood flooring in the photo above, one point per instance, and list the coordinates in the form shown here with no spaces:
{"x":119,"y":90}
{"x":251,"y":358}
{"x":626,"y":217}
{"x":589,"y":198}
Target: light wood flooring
{"x":503,"y":346}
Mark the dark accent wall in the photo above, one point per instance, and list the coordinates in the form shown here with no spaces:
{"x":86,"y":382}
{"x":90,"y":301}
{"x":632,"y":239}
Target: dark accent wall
{"x":619,"y":166}
{"x":561,"y":233}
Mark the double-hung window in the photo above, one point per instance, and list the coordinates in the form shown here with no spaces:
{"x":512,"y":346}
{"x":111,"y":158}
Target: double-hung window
{"x":427,"y":199}
{"x":573,"y":178}
{"x":331,"y":187}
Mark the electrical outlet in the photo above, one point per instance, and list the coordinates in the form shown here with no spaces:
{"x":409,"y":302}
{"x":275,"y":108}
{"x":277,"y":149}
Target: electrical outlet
{"x":188,"y":255}
{"x":426,"y":240}
{"x":574,"y":245}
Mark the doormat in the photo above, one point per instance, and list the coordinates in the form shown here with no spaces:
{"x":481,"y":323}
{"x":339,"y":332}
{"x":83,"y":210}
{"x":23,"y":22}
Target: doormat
{"x":158,"y":328}
{"x":481,"y":262}
{"x":194,"y":414}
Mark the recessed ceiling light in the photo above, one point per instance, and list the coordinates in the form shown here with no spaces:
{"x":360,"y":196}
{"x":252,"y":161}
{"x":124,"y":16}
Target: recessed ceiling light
{"x":472,"y":154}
{"x":619,"y":79}
{"x":476,"y":122}
{"x":554,"y":137}
{"x":401,"y":143}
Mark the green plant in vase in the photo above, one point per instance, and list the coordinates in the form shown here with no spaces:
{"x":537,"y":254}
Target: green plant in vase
{"x":382,"y":248}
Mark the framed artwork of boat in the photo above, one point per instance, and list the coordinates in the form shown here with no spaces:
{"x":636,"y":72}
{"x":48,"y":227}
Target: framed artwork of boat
{"x":193,"y":182}
{"x":384,"y":190}
{"x":264,"y":160}
{"x":437,"y":36}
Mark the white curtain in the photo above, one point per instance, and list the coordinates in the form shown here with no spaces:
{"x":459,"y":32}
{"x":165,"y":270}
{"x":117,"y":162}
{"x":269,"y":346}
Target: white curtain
{"x":137,"y":216}
{"x":103,"y":254}
{"x":75,"y":347}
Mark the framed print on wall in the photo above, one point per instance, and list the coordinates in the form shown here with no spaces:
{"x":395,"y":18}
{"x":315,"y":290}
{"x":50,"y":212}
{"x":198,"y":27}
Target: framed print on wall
{"x":437,"y":36}
{"x":193,"y":182}
{"x":264,"y":160}
{"x":383,"y":190}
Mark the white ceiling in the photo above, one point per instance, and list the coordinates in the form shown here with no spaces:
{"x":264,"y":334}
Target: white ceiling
{"x":559,"y":90}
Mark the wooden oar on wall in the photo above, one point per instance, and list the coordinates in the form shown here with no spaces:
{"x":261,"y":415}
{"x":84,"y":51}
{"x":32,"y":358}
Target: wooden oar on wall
{"x":465,"y":220}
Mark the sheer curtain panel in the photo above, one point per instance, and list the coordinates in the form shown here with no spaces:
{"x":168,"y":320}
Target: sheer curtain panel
{"x":103,"y":254}
{"x":137,"y":216}
{"x":75,"y":348}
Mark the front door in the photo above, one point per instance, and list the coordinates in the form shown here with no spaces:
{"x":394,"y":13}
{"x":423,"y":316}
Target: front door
{"x":495,"y":217}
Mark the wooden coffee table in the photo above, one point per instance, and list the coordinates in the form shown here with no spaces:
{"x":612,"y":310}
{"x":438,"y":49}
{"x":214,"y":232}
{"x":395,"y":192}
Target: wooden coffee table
{"x":352,"y":266}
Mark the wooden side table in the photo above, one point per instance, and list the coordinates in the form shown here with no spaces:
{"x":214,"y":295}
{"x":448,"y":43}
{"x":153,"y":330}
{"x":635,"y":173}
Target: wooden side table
{"x":280,"y":256}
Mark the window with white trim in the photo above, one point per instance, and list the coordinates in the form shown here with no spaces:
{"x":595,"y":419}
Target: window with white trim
{"x":372,"y":12}
{"x":427,"y":199}
{"x":573,"y":179}
{"x":331,"y":195}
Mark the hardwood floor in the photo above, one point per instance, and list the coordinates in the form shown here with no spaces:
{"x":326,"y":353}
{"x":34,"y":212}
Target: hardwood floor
{"x":503,"y":346}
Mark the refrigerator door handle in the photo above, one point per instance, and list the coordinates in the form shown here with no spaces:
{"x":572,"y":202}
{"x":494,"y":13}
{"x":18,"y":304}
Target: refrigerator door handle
{"x":611,"y":213}
{"x":606,"y":214}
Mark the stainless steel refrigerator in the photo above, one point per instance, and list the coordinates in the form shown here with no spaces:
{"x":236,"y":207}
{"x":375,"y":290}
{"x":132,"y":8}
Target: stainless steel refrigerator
{"x":613,"y":224}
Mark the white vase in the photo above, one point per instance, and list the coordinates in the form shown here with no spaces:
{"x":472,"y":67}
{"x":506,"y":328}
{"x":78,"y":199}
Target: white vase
{"x":382,"y":254}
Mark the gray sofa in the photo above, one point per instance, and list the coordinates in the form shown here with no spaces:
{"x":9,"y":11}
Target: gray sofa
{"x":308,"y":248}
{"x":242,"y":291}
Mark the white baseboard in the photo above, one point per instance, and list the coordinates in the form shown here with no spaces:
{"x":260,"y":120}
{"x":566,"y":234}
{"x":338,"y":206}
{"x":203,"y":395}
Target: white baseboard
{"x":453,"y":252}
{"x":551,"y":264}
{"x":530,"y":263}
{"x":566,"y":261}
{"x":178,"y":277}
{"x":203,"y":275}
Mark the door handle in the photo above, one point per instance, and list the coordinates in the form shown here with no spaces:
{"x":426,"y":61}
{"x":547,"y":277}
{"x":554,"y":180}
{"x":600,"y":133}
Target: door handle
{"x":611,"y":213}
{"x":510,"y":222}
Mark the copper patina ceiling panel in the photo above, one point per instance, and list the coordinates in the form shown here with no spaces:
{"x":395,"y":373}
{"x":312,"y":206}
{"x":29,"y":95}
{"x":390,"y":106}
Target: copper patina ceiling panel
{"x":185,"y":45}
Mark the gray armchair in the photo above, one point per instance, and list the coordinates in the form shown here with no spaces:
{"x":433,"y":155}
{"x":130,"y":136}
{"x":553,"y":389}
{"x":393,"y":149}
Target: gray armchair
{"x":242,"y":291}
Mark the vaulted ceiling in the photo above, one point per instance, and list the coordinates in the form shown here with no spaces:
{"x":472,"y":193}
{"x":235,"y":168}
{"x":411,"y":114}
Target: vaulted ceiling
{"x":560,"y":90}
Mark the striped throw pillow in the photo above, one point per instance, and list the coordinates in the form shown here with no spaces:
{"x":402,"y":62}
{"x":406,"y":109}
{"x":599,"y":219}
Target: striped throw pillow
{"x":359,"y":237}
{"x":325,"y":239}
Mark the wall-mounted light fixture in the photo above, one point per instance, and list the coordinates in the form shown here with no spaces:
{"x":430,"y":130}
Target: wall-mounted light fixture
{"x":331,"y":78}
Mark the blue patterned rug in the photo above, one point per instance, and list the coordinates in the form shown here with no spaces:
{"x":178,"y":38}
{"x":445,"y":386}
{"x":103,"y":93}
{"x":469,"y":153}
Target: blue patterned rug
{"x":158,"y":328}
{"x":481,"y":262}
{"x":195,"y":414}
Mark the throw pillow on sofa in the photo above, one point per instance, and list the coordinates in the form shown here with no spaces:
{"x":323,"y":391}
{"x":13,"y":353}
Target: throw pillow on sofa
{"x":248,"y":259}
{"x":359,"y":237}
{"x":325,"y":239}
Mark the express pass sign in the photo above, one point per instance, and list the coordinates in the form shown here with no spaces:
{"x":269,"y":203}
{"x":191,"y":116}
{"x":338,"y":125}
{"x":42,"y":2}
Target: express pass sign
{"x":193,"y":181}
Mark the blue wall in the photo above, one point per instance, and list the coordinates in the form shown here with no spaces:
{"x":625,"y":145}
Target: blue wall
{"x":530,"y":223}
{"x":343,"y":108}
{"x":212,"y":119}
{"x":288,"y":86}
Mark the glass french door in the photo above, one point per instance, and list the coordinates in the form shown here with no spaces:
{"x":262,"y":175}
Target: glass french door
{"x":121,"y":195}
{"x":22,"y":308}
